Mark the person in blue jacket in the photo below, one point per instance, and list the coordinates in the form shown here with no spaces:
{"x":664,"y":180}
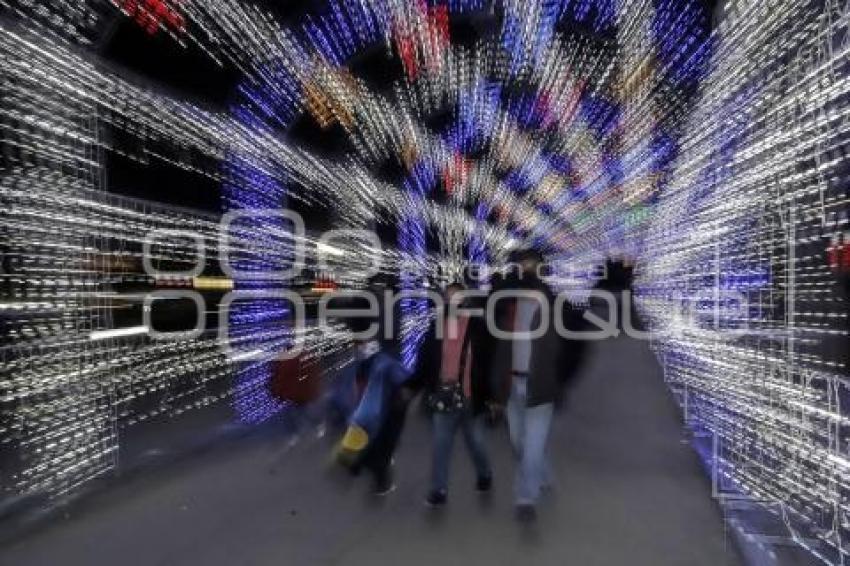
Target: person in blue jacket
{"x":377,"y":422}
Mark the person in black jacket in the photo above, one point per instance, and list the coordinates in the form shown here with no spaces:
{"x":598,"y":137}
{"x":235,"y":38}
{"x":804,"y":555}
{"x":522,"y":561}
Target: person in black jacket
{"x":528,"y":374}
{"x":454,"y":375}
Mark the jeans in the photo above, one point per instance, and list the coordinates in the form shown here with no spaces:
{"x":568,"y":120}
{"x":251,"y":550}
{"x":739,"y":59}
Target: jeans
{"x":445,"y":426}
{"x":529,"y":432}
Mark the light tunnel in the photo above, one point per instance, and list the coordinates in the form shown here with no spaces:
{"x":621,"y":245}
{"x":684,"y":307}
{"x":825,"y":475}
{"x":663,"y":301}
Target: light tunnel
{"x":186,"y":184}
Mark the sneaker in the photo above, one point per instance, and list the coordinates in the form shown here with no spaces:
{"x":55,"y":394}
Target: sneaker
{"x":526,"y":513}
{"x":383,"y":489}
{"x":436,"y":498}
{"x":484,"y":484}
{"x":384,"y":481}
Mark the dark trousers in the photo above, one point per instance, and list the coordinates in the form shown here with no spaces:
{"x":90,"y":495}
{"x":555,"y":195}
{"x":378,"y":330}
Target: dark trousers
{"x":379,"y":453}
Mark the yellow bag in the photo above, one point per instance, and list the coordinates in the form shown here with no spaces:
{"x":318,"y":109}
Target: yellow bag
{"x":352,"y":444}
{"x":355,"y":439}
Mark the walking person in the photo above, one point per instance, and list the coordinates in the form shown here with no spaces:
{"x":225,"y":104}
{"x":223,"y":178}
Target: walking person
{"x":375,"y":427}
{"x":528,"y":369}
{"x":457,"y":394}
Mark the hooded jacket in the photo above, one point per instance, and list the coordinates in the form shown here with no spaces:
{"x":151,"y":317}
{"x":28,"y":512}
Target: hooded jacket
{"x":384,"y":376}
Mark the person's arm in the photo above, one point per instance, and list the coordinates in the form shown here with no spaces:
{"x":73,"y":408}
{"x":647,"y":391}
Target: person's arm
{"x":479,"y":359}
{"x":369,"y":411}
{"x":425,"y":375}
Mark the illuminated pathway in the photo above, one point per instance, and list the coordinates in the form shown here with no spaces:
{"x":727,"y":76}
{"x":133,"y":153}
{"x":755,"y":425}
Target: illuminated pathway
{"x":629,"y":492}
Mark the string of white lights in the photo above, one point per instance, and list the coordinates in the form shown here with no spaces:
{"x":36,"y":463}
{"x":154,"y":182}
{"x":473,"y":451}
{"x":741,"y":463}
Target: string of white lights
{"x":740,"y":237}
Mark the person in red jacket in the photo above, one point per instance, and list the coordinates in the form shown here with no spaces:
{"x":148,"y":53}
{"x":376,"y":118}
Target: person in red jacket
{"x":457,"y":394}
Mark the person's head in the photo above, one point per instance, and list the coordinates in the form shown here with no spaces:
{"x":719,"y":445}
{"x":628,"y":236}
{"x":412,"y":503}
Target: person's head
{"x":497,"y":280}
{"x":451,"y":290}
{"x":360,"y":328}
{"x":529,"y":261}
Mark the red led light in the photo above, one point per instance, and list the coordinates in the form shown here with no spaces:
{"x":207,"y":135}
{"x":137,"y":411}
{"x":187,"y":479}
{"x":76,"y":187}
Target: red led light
{"x":153,"y":14}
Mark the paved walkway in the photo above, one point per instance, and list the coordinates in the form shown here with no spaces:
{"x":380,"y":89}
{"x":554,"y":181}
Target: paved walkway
{"x":629,"y":491}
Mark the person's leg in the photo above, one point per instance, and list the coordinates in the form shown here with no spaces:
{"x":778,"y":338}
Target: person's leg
{"x":381,"y":453}
{"x":444,"y":425}
{"x":515,"y":414}
{"x":548,"y":481}
{"x":533,"y":465}
{"x":374,"y":457}
{"x":473,"y":434}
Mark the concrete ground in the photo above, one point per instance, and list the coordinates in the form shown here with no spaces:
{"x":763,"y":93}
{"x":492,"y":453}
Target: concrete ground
{"x":629,"y":490}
